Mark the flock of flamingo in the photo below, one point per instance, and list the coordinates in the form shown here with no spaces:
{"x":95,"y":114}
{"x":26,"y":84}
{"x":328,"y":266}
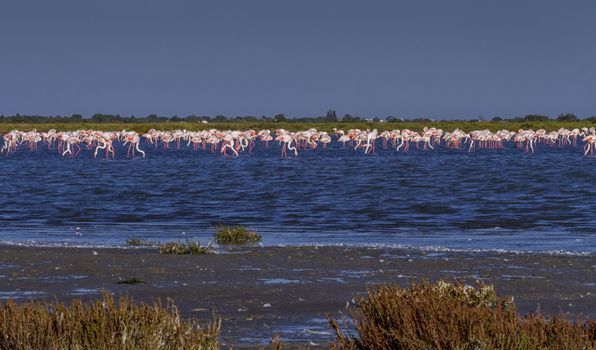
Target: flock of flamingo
{"x":232,"y":142}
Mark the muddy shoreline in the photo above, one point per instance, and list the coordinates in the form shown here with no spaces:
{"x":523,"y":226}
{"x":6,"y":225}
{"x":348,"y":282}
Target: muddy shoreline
{"x":260,"y":291}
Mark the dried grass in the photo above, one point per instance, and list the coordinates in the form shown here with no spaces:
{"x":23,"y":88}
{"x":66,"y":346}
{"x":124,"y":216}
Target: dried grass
{"x":190,"y":247}
{"x":454,"y":316}
{"x":139,"y":242}
{"x":102,"y":324}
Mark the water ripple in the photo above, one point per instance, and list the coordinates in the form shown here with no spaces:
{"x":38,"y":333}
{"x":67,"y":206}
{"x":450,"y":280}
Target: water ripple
{"x":485,"y":200}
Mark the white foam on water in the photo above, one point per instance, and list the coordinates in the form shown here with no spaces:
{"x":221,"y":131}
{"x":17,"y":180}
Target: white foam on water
{"x":20,"y":294}
{"x":425,"y":248}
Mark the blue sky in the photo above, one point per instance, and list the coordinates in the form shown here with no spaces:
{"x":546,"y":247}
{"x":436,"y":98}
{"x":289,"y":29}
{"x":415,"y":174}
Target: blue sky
{"x":420,"y":58}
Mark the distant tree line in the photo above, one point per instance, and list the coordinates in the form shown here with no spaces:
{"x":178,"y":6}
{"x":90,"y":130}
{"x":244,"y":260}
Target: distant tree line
{"x":329,"y":117}
{"x":564,"y":117}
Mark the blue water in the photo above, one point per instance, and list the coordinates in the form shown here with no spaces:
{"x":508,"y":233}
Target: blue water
{"x":444,"y":199}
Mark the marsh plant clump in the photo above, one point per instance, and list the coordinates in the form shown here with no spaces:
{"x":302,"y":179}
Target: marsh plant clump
{"x":138,"y":242}
{"x":454,"y":316}
{"x":190,"y":247}
{"x":102,"y":324}
{"x":133,"y":280}
{"x":235,"y":235}
{"x":275,"y":343}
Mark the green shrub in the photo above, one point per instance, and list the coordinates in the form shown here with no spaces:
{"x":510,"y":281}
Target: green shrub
{"x":235,"y":235}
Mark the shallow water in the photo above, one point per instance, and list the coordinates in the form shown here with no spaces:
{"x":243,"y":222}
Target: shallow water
{"x":445,"y":199}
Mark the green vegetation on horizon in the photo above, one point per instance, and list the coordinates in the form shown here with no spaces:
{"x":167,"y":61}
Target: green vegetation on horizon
{"x":297,"y":126}
{"x":325,"y":123}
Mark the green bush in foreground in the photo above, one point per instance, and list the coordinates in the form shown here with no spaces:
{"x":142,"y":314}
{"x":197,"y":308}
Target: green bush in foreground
{"x":454,"y":316}
{"x":102,"y":324}
{"x":235,"y":235}
{"x":190,"y":247}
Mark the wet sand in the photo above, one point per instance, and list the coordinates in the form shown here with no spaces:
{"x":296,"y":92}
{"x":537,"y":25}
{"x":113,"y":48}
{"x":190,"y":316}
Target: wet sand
{"x":261,"y":291}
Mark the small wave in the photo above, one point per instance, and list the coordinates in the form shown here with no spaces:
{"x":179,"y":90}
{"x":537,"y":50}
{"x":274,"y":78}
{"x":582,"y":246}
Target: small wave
{"x":36,"y":244}
{"x":21,"y":294}
{"x":417,"y":248}
{"x":442,"y":249}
